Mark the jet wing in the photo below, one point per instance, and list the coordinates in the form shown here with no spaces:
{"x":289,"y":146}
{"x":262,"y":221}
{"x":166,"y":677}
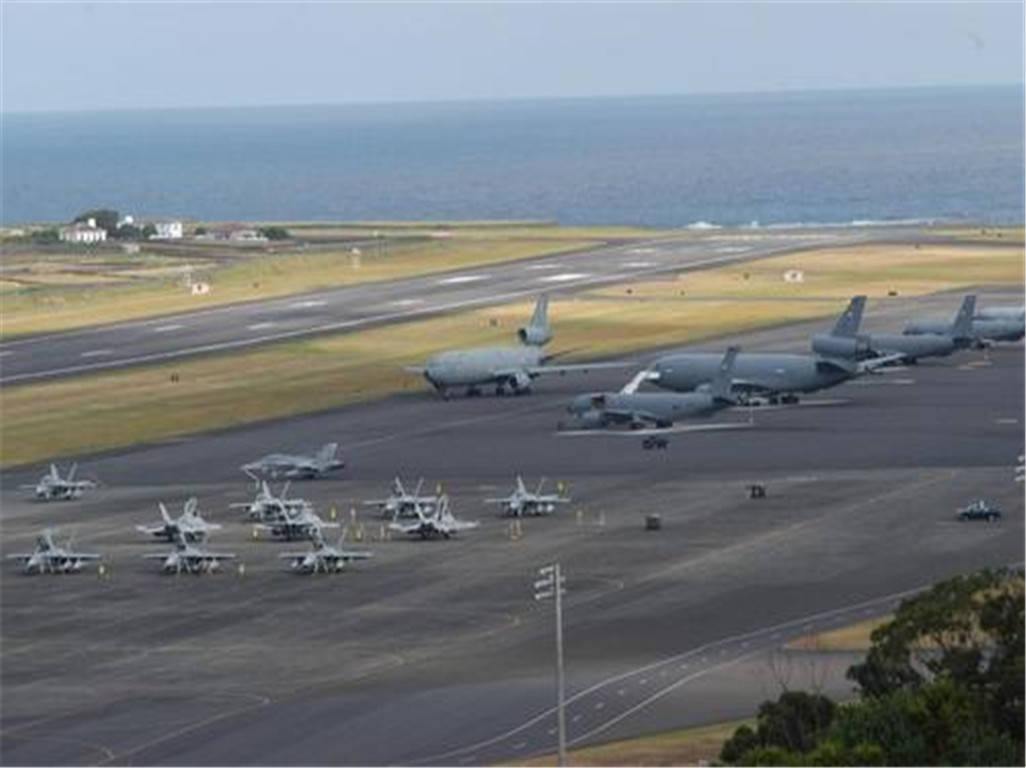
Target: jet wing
{"x":356,"y":554}
{"x":20,"y":558}
{"x":656,"y":431}
{"x":538,"y":370}
{"x":410,"y":528}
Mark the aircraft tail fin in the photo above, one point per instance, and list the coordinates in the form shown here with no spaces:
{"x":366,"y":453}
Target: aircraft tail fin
{"x":397,"y":486}
{"x":720,"y":388}
{"x":163,"y":513}
{"x":848,"y":323}
{"x":521,"y":488}
{"x":54,"y":474}
{"x":961,"y":328}
{"x":537,"y":333}
{"x":327,"y":454}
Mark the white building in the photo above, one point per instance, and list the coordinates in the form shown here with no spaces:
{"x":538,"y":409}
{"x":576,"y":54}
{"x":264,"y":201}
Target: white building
{"x":86,"y":233}
{"x":167,"y":230}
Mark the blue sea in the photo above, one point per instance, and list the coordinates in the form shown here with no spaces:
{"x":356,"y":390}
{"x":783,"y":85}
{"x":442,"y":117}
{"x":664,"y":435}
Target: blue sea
{"x":929,"y":154}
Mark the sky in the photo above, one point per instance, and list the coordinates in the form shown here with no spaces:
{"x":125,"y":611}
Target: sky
{"x":77,"y":55}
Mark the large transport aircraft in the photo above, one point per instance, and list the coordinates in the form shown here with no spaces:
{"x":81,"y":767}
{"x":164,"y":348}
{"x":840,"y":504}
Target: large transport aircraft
{"x":984,"y":326}
{"x":776,"y":375}
{"x":510,"y":369}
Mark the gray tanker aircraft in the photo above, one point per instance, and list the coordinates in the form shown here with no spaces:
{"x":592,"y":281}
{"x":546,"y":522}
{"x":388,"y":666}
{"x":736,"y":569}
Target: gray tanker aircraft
{"x":777,"y":375}
{"x":511,"y":369}
{"x":52,"y":486}
{"x":996,"y":324}
{"x":907,"y":347}
{"x":286,"y":465}
{"x":50,"y":557}
{"x":661,"y":409}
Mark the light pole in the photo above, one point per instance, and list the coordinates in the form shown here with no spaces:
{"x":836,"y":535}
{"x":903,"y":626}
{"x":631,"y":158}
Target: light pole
{"x":551,"y":585}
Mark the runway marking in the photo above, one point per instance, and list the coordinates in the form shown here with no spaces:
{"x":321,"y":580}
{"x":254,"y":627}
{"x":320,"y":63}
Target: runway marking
{"x":260,"y":326}
{"x":97,"y":353}
{"x":733,"y":249}
{"x":643,"y":681}
{"x":167,"y":328}
{"x":307,"y":304}
{"x":538,"y":267}
{"x":406,"y":302}
{"x":636,"y":264}
{"x":564,"y":277}
{"x":551,"y":732}
{"x":5,"y":353}
{"x":642,"y":250}
{"x":1007,"y":420}
{"x":575,"y":718}
{"x":340,"y":326}
{"x":520,"y":745}
{"x":621,"y":692}
{"x":459,"y":279}
{"x":683,"y":666}
{"x":600,"y":705}
{"x":550,"y":711}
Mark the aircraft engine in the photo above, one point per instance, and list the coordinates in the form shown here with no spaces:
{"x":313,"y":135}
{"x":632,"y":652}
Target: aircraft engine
{"x":842,"y":347}
{"x":533,"y":335}
{"x":519,"y":382}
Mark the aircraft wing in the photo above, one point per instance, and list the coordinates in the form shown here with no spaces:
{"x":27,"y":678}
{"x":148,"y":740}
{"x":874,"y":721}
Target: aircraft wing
{"x":656,"y":431}
{"x":212,"y":556}
{"x":355,"y":554}
{"x":407,"y":528}
{"x":80,"y":556}
{"x":538,"y":370}
{"x":20,"y":558}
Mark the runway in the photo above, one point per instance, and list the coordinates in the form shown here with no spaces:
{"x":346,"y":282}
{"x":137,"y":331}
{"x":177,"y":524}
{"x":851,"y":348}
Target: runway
{"x":361,"y":306}
{"x":435,"y":652}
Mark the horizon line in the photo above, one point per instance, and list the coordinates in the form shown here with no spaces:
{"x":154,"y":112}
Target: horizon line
{"x":512,"y":99}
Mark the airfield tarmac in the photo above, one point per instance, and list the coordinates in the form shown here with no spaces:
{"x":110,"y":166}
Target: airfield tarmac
{"x":361,"y":306}
{"x":435,"y":652}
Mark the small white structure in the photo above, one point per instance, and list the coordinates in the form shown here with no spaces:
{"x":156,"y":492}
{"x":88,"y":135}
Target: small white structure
{"x":84,"y":234}
{"x":128,"y":220}
{"x":794,"y":276}
{"x":247,"y":236}
{"x":200,"y":289}
{"x":167,"y":230}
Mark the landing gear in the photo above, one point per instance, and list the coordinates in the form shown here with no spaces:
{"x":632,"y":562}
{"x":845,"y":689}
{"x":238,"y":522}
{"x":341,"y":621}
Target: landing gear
{"x":473,"y":392}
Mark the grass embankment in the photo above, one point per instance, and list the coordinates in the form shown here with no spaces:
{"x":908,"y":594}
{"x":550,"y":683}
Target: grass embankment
{"x":247,"y":278}
{"x":685,"y":747}
{"x":851,"y":638}
{"x":122,"y":408}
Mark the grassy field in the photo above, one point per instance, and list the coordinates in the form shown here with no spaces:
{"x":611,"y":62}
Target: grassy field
{"x":316,"y":374}
{"x":685,"y":747}
{"x":851,"y":638}
{"x":248,"y":277}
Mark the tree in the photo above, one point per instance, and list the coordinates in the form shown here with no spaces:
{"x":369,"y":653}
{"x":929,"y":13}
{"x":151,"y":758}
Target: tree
{"x":275,"y":233}
{"x":793,"y":723}
{"x":106,"y":218}
{"x":148,"y":230}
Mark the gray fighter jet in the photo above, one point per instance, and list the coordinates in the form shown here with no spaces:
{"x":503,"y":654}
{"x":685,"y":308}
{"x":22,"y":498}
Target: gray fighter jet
{"x":190,"y":558}
{"x":511,"y":369}
{"x":402,"y":503}
{"x":303,"y":523}
{"x":436,"y":523}
{"x":983,"y":328}
{"x":661,"y":409}
{"x":50,"y":557}
{"x":776,"y":375}
{"x":189,"y":526}
{"x":276,"y":465}
{"x":323,"y":558}
{"x":267,"y":507}
{"x":53,"y":487}
{"x":907,"y":347}
{"x":522,"y":502}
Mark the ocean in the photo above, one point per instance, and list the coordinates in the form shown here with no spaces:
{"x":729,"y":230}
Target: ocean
{"x":775,"y":159}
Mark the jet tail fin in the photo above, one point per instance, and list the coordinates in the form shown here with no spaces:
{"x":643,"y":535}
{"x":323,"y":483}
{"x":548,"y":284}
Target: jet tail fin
{"x":720,"y":388}
{"x":962,"y":326}
{"x":327,"y":454}
{"x":848,"y":323}
{"x":537,"y":333}
{"x":163,"y":513}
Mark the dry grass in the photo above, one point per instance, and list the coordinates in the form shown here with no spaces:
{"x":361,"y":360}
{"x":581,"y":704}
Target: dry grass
{"x":686,"y":747}
{"x":301,"y":377}
{"x":851,"y":638}
{"x":254,"y":278}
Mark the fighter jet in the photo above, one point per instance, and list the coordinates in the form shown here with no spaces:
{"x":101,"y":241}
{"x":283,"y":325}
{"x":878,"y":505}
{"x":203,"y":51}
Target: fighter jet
{"x":190,"y":526}
{"x":323,"y":558}
{"x":511,"y":369}
{"x":190,"y":558}
{"x":52,"y":486}
{"x":435,"y":523}
{"x":50,"y":557}
{"x":267,"y":507}
{"x":401,"y":503}
{"x":983,"y":328}
{"x":276,"y":465}
{"x":522,"y":502}
{"x":776,"y":375}
{"x":661,"y":409}
{"x":296,"y":524}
